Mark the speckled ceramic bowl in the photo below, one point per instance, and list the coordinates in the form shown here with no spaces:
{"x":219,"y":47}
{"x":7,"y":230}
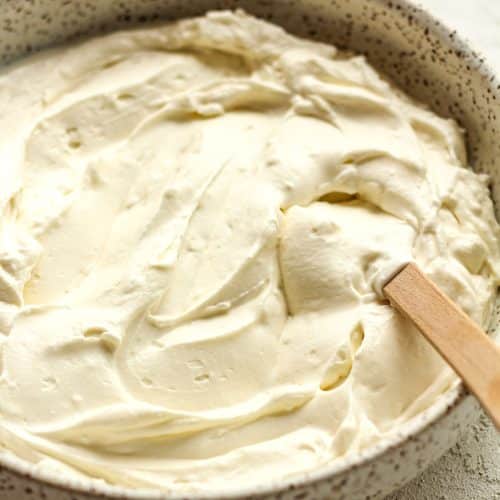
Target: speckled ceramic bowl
{"x":426,"y":59}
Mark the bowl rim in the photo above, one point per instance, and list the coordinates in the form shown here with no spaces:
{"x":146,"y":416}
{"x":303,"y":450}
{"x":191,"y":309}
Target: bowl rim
{"x":455,"y":396}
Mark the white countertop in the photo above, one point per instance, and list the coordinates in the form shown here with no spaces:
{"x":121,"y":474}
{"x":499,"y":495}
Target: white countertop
{"x":471,"y":470}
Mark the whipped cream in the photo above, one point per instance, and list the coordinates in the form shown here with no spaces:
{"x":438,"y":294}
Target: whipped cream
{"x":196,"y":220}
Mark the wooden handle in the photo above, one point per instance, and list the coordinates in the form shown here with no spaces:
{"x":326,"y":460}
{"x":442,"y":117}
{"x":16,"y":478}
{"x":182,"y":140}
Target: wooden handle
{"x":473,"y":355}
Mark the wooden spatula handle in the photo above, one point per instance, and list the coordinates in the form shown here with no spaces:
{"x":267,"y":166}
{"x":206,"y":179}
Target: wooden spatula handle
{"x":473,"y":355}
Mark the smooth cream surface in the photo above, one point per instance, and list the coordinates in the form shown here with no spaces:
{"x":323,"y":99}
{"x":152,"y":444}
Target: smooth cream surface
{"x":196,"y":220}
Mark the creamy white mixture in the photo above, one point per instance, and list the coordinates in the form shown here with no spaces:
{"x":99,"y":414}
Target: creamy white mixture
{"x":196,"y":220}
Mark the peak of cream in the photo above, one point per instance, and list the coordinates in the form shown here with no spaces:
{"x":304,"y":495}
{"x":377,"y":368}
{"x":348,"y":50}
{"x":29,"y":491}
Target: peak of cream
{"x":195,"y":220}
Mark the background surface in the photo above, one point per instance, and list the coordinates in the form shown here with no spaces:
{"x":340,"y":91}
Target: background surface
{"x":471,"y":470}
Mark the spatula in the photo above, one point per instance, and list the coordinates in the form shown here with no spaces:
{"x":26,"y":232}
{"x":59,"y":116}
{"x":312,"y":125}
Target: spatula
{"x":469,"y":351}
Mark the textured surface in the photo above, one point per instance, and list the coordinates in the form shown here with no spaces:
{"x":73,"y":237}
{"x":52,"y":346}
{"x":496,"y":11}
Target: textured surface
{"x":226,"y":347}
{"x":471,"y":470}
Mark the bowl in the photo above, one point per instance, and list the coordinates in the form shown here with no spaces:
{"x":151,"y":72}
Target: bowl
{"x":427,"y":60}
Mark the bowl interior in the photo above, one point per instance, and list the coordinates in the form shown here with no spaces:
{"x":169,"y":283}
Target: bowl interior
{"x":422,"y":56}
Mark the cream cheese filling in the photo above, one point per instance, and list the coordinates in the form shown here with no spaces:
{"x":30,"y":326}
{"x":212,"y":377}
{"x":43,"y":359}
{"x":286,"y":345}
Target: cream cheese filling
{"x":195,"y":222}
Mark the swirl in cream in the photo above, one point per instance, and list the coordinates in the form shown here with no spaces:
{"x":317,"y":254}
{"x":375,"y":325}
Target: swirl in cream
{"x":195,"y":221}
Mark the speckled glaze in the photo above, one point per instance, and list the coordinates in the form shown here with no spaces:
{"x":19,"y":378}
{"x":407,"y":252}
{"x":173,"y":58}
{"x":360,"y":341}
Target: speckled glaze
{"x":422,"y":56}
